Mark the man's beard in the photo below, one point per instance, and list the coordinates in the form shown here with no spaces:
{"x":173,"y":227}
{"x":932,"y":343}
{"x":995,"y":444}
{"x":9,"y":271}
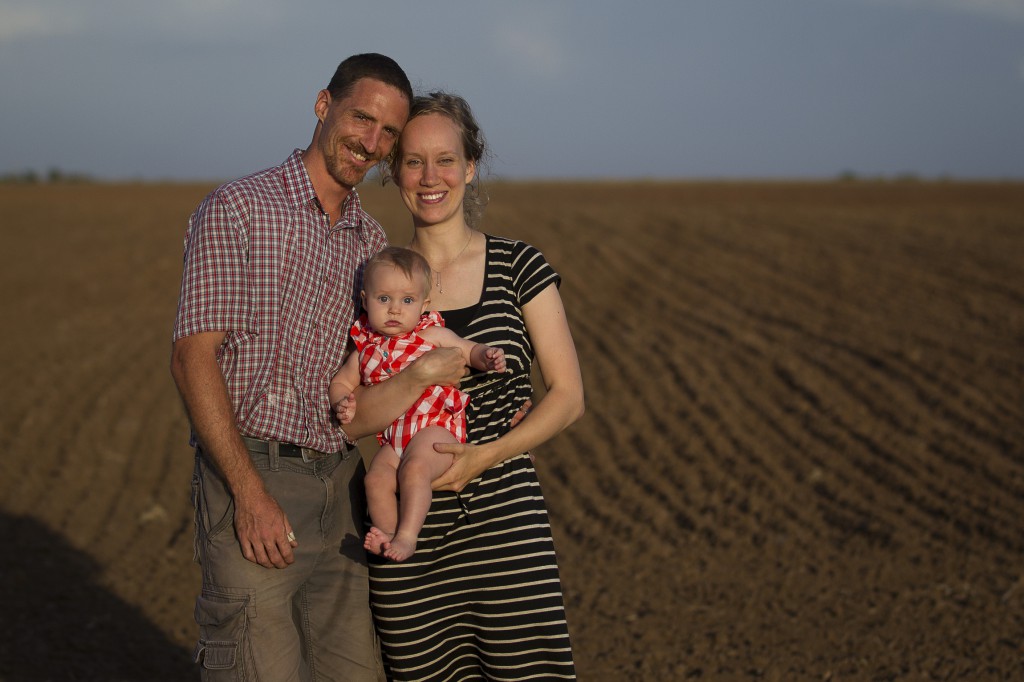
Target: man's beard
{"x":346,"y":174}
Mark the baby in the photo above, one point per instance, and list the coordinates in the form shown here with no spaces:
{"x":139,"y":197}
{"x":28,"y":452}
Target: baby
{"x":395,"y":330}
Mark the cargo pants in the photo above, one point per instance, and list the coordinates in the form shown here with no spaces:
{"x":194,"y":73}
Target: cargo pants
{"x":309,"y":621}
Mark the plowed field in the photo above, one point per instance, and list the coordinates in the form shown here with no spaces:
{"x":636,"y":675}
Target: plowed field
{"x":802,"y":459}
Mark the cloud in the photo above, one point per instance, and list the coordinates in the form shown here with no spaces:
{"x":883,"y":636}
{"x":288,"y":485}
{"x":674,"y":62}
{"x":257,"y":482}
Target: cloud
{"x":210,"y":19}
{"x":27,"y":21}
{"x":1008,"y":10}
{"x":184,"y":19}
{"x":1012,"y":10}
{"x":532,"y":47}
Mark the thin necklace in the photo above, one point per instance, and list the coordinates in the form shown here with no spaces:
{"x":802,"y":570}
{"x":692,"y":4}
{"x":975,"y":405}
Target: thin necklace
{"x":437,"y":272}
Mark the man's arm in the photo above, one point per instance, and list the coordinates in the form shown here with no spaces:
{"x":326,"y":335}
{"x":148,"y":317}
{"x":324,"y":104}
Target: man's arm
{"x":260,"y":523}
{"x":383,"y":403}
{"x":476,"y":355}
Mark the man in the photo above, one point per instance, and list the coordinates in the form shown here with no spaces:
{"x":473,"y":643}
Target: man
{"x":270,"y":281}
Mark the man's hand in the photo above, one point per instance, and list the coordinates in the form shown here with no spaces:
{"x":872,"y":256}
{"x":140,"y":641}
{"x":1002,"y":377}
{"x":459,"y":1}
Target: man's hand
{"x":264,"y":534}
{"x":441,"y":367}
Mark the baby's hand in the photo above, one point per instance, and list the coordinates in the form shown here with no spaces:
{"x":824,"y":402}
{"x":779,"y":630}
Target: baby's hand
{"x":495,"y":358}
{"x":345,"y":409}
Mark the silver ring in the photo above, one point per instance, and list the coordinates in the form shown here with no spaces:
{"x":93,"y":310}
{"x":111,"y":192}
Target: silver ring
{"x":291,"y":536}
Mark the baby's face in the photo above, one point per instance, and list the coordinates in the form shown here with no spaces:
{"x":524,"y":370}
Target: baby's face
{"x":394,"y":302}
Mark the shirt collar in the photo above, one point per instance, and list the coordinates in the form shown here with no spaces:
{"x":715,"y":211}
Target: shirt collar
{"x":300,"y":191}
{"x":351,"y":211}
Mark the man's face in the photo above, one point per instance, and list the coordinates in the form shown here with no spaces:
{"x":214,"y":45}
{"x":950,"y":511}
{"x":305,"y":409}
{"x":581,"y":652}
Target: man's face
{"x":360,"y":129}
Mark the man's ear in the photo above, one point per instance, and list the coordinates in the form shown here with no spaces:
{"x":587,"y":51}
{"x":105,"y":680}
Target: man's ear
{"x":322,"y":104}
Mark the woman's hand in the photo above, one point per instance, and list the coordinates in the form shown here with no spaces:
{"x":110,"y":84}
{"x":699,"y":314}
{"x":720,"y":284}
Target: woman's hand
{"x":521,"y":413}
{"x":469,"y":461}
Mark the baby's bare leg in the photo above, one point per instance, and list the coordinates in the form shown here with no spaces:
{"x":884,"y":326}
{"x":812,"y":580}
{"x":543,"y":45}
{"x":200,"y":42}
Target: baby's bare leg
{"x":381,"y":482}
{"x":420,"y":465}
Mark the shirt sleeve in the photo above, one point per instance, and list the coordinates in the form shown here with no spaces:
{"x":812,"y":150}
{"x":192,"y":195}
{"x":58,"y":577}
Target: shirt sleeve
{"x":214,"y":285}
{"x":531,"y":273}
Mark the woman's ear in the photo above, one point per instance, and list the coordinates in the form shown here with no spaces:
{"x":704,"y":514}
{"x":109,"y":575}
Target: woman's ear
{"x":470,"y":171}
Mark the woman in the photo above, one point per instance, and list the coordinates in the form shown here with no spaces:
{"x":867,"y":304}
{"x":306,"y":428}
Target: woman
{"x":481,"y":597}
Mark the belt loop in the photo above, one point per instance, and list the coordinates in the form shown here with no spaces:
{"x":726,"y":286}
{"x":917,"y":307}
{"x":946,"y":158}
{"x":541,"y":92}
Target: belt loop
{"x":274,"y":452}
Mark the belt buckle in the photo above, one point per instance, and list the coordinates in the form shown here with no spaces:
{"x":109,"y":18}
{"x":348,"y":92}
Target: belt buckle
{"x":309,"y":455}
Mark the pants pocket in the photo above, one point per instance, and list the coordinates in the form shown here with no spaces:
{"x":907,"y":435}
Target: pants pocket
{"x":195,"y":516}
{"x":224,"y":651}
{"x":214,"y":506}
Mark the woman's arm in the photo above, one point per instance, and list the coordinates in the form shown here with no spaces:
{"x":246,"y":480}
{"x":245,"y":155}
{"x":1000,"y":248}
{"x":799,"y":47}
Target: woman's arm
{"x":561,"y":405}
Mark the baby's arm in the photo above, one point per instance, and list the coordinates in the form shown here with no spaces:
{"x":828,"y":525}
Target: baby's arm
{"x":340,"y":391}
{"x":476,"y":355}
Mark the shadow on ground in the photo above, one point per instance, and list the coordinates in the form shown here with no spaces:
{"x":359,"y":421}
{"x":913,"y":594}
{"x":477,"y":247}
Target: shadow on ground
{"x":58,"y":624}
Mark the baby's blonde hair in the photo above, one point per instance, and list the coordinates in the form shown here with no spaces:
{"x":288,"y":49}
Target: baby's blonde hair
{"x":408,"y":261}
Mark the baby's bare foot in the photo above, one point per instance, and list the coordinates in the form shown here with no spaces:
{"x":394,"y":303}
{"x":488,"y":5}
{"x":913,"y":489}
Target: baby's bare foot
{"x":400,"y":548}
{"x":377,"y":541}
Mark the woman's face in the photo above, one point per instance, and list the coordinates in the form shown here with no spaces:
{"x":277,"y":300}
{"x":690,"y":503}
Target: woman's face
{"x":432,"y":170}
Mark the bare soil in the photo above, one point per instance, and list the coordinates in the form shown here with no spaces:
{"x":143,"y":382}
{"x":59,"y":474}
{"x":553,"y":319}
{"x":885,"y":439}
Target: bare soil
{"x":802,"y":459}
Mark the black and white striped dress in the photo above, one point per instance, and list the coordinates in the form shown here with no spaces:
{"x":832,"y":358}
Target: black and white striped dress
{"x":481,"y":598}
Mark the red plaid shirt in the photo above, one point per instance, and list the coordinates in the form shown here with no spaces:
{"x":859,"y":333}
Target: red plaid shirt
{"x":264,"y":264}
{"x":381,"y":357}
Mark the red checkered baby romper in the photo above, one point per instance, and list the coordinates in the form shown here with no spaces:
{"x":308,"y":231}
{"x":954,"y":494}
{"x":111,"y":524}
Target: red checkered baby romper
{"x":381,"y":357}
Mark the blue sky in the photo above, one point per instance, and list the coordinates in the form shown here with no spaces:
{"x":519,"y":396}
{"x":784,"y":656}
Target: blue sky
{"x":212,"y":89}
